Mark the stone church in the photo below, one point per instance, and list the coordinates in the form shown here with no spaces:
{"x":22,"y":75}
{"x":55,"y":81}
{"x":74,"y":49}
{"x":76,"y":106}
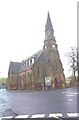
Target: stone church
{"x":42,"y":70}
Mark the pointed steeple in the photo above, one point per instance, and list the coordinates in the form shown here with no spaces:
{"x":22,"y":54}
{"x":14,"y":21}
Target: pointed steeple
{"x":49,"y":32}
{"x":48,"y":23}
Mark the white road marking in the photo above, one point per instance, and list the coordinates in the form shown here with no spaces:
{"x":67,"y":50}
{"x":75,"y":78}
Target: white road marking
{"x":7,"y":117}
{"x":73,"y":114}
{"x":38,"y":116}
{"x":22,"y":116}
{"x":56,"y":115}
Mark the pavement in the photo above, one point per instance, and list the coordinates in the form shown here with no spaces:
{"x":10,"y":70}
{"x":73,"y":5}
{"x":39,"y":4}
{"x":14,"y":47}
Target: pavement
{"x":58,"y":102}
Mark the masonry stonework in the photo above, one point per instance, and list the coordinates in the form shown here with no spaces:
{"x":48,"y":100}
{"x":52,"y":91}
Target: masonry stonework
{"x":33,"y":72}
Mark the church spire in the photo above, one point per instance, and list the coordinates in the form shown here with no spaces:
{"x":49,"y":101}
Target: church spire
{"x":49,"y":32}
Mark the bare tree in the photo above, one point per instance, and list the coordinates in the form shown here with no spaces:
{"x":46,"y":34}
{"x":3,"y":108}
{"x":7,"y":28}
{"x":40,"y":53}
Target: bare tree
{"x":72,"y":60}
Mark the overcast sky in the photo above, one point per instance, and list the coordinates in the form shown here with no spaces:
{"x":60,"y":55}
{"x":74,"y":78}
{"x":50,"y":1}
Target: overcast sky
{"x":22,"y":29}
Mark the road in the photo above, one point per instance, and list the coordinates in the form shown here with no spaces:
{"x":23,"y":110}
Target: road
{"x":50,"y":101}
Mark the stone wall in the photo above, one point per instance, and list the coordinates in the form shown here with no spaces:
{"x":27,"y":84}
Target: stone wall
{"x":13,"y":81}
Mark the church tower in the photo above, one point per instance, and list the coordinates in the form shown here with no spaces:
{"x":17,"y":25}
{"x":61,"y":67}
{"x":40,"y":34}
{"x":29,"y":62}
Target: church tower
{"x":50,"y":41}
{"x":51,"y":53}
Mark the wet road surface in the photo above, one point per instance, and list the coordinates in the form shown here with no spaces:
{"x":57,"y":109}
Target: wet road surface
{"x":52,"y":101}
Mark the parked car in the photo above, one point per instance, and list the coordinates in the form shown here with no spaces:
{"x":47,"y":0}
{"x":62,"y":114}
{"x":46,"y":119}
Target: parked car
{"x":38,"y":86}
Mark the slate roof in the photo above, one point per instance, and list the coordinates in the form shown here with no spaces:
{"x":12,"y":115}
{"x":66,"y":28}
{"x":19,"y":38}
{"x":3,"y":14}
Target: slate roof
{"x":15,"y":67}
{"x":42,"y":58}
{"x":36,"y":55}
{"x":24,"y":68}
